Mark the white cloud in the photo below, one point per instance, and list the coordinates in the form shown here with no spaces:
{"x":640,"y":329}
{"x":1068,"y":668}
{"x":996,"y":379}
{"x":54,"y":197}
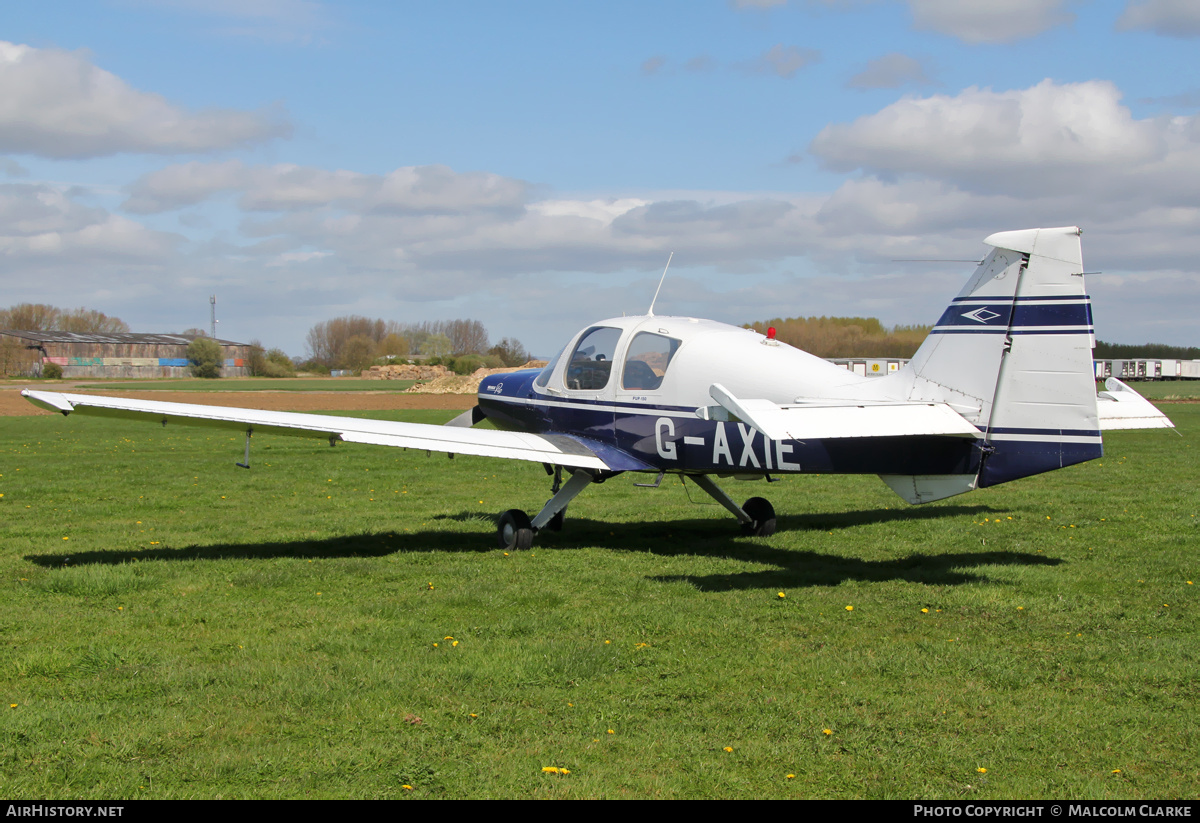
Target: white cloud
{"x":652,"y":65}
{"x":1074,"y":138}
{"x":278,"y":21}
{"x":783,"y":61}
{"x":890,"y":72}
{"x":988,"y":21}
{"x":286,"y":187}
{"x":12,"y":168}
{"x":59,"y":105}
{"x":1173,"y":18}
{"x":41,"y":225}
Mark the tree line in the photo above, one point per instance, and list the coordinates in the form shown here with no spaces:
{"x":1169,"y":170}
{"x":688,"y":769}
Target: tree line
{"x":845,"y":336}
{"x":44,"y":317}
{"x":354,"y":342}
{"x":1154,"y":351}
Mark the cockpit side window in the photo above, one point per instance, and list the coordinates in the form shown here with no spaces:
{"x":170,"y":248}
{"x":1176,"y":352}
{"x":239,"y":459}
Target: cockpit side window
{"x":544,"y":377}
{"x":591,"y":362}
{"x":647,"y":360}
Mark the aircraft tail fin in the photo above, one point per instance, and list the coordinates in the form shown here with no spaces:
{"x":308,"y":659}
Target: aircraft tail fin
{"x":1013,"y":354}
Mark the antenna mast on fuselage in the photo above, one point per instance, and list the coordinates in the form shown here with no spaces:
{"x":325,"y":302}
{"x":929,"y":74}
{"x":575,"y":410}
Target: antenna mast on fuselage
{"x":650,"y":313}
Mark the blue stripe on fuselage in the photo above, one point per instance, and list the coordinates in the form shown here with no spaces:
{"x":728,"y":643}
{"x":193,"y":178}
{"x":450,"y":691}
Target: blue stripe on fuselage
{"x":664,"y":438}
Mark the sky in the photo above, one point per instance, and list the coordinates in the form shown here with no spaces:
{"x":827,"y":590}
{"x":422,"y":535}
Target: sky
{"x":532,"y":165}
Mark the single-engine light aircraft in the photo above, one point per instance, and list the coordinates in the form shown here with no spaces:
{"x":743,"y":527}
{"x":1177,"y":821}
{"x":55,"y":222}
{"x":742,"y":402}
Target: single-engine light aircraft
{"x":1002,"y":388}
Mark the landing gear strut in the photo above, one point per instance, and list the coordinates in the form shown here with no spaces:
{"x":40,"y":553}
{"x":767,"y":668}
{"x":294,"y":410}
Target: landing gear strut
{"x":515,"y":530}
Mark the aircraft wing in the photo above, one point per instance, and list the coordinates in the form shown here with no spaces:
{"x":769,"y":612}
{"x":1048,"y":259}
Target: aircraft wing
{"x":555,"y":449}
{"x":836,"y":420}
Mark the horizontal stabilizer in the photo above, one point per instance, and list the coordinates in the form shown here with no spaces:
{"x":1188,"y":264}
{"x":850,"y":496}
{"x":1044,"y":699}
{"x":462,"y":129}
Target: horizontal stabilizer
{"x":925,"y":488}
{"x":559,"y":450}
{"x":813,"y":422}
{"x":1120,"y":407}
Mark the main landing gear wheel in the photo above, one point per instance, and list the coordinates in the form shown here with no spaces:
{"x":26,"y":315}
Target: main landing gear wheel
{"x":514,"y":531}
{"x":762,"y":513}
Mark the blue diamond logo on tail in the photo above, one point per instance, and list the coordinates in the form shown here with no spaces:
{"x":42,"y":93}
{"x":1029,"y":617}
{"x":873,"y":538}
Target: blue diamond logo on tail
{"x":983,"y":314}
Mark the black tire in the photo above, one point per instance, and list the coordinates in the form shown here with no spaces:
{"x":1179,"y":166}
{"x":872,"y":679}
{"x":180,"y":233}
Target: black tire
{"x":762,"y":515}
{"x":514,"y":531}
{"x":556,"y":522}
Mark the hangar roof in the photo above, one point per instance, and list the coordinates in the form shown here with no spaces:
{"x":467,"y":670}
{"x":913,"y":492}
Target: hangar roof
{"x":117,"y":337}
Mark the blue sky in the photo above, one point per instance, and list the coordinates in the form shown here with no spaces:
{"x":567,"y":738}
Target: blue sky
{"x":532,"y":164}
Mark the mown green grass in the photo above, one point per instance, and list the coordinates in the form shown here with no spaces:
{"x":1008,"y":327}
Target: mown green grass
{"x":205,"y":631}
{"x":1167,"y":389}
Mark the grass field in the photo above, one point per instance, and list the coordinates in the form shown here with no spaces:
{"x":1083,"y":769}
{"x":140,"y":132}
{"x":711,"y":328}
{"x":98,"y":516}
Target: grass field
{"x":337,"y":623}
{"x":1167,"y":389}
{"x":339,"y":384}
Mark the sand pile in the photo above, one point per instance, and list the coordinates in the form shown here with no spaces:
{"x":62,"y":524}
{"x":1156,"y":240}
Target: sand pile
{"x":465,"y":383}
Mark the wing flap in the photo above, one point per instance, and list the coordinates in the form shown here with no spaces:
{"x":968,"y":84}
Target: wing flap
{"x":452,"y":439}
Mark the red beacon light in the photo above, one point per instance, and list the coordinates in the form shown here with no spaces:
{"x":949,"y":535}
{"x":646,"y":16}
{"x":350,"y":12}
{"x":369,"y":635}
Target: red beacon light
{"x":771,"y":333}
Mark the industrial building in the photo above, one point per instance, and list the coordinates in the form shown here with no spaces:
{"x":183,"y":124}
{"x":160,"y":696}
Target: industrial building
{"x":125,"y":354}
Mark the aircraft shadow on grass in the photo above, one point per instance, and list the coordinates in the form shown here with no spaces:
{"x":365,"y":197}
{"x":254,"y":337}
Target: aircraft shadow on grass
{"x":790,"y":568}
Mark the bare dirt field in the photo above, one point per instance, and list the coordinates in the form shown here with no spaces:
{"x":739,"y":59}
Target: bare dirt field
{"x":12,"y":404}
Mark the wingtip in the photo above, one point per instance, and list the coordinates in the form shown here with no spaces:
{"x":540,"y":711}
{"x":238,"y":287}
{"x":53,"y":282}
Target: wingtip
{"x":50,"y":401}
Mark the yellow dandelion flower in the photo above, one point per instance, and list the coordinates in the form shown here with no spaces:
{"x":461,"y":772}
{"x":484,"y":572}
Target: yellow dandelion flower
{"x":782,"y":595}
{"x":1116,"y":771}
{"x":407,"y":787}
{"x":435,"y":645}
{"x":12,"y":705}
{"x":790,"y":777}
{"x":924,"y":611}
{"x":827,"y":732}
{"x":564,"y":771}
{"x":455,"y":643}
{"x":849,"y":608}
{"x":981,"y":770}
{"x":447,"y":637}
{"x":610,"y":731}
{"x":728,"y":749}
{"x":549,"y":769}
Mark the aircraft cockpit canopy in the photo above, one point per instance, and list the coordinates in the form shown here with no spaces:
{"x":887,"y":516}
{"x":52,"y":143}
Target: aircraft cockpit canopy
{"x":646,"y":361}
{"x":591,"y":363}
{"x":641,"y":357}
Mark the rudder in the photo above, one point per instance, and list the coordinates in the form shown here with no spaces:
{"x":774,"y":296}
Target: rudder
{"x":1013,"y":354}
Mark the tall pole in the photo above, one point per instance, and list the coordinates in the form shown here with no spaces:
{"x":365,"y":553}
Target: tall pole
{"x":212,"y":301}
